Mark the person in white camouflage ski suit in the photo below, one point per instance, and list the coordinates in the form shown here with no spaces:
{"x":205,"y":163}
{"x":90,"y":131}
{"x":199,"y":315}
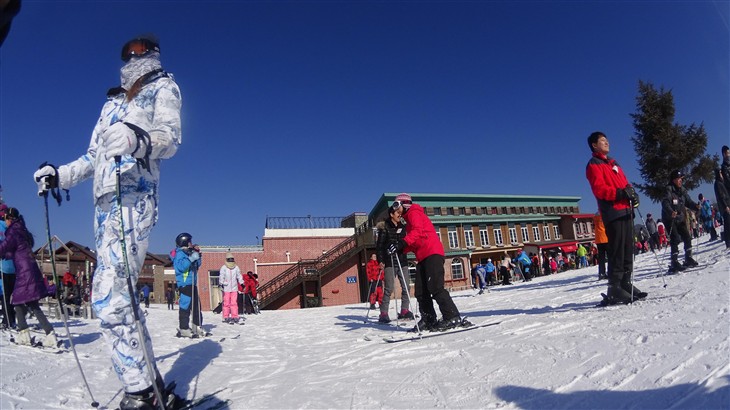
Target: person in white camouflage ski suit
{"x":139,"y":123}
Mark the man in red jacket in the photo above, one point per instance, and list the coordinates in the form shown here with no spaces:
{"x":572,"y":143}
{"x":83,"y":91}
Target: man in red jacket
{"x":615,"y":197}
{"x":422,"y":240}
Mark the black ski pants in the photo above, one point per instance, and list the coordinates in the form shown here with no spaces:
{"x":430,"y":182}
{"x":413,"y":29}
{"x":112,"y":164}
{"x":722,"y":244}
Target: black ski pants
{"x":430,"y":287}
{"x":8,"y":287}
{"x":184,"y":314}
{"x":680,"y":233}
{"x":620,"y":234}
{"x":602,"y":258}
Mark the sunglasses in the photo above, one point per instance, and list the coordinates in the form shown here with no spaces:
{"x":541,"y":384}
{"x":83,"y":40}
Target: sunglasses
{"x":138,"y":47}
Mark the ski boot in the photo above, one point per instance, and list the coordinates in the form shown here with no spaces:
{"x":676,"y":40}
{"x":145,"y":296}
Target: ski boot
{"x":147,"y":400}
{"x":24,"y":338}
{"x":689,"y":262}
{"x":675,"y":266}
{"x":50,"y":340}
{"x":631,"y":289}
{"x":427,"y":322}
{"x":447,"y":324}
{"x":617,"y":295}
{"x":372,"y":306}
{"x":384,"y":318}
{"x":185,"y":333}
{"x":406,"y":315}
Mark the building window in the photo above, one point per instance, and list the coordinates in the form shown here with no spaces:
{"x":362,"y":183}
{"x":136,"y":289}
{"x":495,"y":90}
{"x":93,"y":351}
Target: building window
{"x":556,"y":229}
{"x":532,"y":210}
{"x":468,"y":237}
{"x":504,"y":210}
{"x":438,"y":233}
{"x":546,"y":232}
{"x":525,"y":236}
{"x":484,"y":236}
{"x":462,"y":211}
{"x":577,"y":228}
{"x":453,"y":238}
{"x":513,"y":210}
{"x":437,"y":210}
{"x":522,"y":209}
{"x":486,"y":211}
{"x":513,"y":235}
{"x":498,"y":236}
{"x":493,"y":210}
{"x":552,"y":209}
{"x":450,"y":211}
{"x":473,"y":210}
{"x":536,"y":234}
{"x":584,"y":228}
{"x":457,"y":269}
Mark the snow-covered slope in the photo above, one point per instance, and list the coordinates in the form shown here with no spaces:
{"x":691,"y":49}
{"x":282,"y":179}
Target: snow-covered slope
{"x":553,"y":349}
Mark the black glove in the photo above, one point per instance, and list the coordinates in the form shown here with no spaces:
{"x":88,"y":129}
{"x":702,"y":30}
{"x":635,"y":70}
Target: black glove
{"x":396,"y":247}
{"x":632,"y":195}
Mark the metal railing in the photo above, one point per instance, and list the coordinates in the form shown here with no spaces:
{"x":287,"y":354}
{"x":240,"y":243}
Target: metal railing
{"x":314,"y":268}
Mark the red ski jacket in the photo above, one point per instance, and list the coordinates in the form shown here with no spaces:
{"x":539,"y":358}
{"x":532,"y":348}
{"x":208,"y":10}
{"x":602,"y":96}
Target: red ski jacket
{"x":421,"y":237}
{"x":605,"y":177}
{"x":373,"y":271}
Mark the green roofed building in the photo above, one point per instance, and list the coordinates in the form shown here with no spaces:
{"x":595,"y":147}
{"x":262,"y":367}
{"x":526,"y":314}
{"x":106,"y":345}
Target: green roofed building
{"x":476,"y":227}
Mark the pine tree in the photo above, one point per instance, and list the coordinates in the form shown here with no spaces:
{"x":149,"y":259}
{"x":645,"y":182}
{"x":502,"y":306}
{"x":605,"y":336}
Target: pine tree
{"x":662,"y":145}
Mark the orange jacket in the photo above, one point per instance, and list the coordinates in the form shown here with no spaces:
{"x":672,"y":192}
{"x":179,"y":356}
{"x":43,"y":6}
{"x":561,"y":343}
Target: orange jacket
{"x":599,"y":229}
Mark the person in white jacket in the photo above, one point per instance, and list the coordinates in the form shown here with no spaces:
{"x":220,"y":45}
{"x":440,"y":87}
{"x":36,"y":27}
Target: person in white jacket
{"x":139,"y":126}
{"x":229,"y":279}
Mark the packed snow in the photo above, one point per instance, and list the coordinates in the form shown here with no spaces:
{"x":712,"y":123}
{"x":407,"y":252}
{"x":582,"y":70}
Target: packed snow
{"x":554,"y":349}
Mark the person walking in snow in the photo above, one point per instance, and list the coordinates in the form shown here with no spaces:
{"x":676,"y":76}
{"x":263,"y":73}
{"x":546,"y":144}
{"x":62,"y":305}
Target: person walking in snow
{"x":375,"y":281}
{"x":229,"y":279}
{"x":170,"y":298}
{"x":138,"y":127}
{"x":146,"y":296}
{"x":421,"y":239}
{"x":29,"y":284}
{"x":674,"y":209}
{"x":390,"y":232}
{"x":186,"y":258}
{"x":722,"y":195}
{"x":525,"y":264}
{"x":615,"y":197}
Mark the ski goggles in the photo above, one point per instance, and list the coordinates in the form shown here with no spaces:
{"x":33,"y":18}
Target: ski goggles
{"x":138,"y":47}
{"x":398,"y":204}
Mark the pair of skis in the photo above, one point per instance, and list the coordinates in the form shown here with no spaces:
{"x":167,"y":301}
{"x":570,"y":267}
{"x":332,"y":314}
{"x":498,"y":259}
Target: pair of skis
{"x":409,"y":336}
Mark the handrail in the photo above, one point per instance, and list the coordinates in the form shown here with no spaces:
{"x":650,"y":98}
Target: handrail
{"x":295,"y":274}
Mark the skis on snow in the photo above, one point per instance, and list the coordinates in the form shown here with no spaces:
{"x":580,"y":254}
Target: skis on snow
{"x":426,"y":335}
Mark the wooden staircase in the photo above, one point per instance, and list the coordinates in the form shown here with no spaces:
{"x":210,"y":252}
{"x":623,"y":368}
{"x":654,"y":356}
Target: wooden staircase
{"x":314,"y":269}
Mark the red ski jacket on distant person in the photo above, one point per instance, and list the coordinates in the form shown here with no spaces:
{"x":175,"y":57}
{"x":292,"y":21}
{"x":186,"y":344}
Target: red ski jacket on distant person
{"x":605,"y":177}
{"x":373,"y":271}
{"x":421,"y":237}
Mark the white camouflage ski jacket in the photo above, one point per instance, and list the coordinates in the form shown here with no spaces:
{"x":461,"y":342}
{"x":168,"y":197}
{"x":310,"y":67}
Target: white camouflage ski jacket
{"x":156,"y":109}
{"x":230,"y":278}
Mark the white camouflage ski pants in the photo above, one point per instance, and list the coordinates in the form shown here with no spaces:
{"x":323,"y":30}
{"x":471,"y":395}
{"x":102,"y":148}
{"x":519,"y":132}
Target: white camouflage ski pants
{"x":110,"y":294}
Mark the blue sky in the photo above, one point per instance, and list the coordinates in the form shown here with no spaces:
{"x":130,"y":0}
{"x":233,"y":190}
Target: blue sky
{"x":317,"y":108}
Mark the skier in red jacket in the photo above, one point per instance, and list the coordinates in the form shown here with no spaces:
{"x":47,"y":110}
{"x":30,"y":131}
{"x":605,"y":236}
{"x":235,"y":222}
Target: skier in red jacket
{"x":615,"y":197}
{"x":375,"y":278}
{"x":422,"y":240}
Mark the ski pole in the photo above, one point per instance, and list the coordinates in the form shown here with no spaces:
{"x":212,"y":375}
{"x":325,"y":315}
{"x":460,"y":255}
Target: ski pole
{"x":659,"y":264}
{"x":6,"y":318}
{"x":402,"y":275}
{"x":130,"y":287}
{"x":392,"y":290}
{"x":44,"y":193}
{"x":374,"y":291}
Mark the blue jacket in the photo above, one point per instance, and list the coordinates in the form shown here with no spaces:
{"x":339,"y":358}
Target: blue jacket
{"x":7,"y":266}
{"x":524,"y":259}
{"x":490,"y":267}
{"x":186,"y":266}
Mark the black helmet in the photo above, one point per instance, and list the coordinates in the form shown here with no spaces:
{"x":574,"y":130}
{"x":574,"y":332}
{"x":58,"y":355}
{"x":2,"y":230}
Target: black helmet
{"x":183,"y":240}
{"x":676,"y":174}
